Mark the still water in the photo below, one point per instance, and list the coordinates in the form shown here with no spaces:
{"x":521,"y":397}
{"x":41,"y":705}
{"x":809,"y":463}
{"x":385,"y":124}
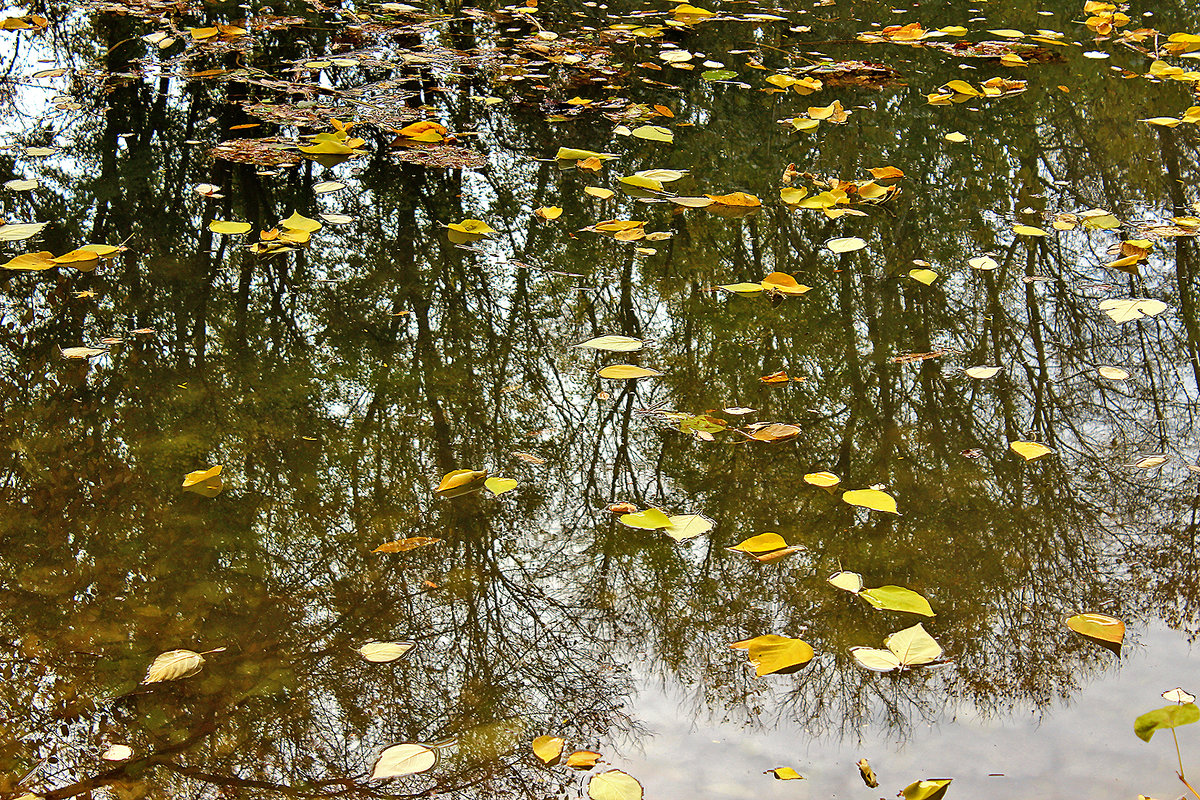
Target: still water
{"x":280,"y":295}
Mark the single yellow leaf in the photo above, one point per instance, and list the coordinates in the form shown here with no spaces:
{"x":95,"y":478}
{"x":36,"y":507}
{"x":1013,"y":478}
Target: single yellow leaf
{"x":204,"y":482}
{"x":498,"y":486}
{"x":925,"y":276}
{"x":826,"y":480}
{"x":583,"y":759}
{"x":651,"y":519}
{"x":221,"y":226}
{"x":872,"y":499}
{"x":614,"y":784}
{"x":786,"y":774}
{"x":850,"y":582}
{"x":298,"y":222}
{"x":1098,"y":626}
{"x":1030,"y":450}
{"x":384,"y":652}
{"x":461,"y":481}
{"x":548,"y":749}
{"x":773,"y":654}
{"x":626,"y":372}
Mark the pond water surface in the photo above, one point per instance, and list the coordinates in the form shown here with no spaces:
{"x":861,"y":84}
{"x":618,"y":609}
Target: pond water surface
{"x":342,"y":350}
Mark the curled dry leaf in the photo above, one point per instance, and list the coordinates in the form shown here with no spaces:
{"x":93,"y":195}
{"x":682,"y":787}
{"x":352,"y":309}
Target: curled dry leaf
{"x":83,"y":352}
{"x":1150,"y":462}
{"x":548,"y":749}
{"x":868,"y":774}
{"x":173,"y":665}
{"x":384,"y":652}
{"x":204,"y":482}
{"x":401,"y":545}
{"x":1178,"y":695}
{"x":404,"y":759}
{"x":929,"y":789}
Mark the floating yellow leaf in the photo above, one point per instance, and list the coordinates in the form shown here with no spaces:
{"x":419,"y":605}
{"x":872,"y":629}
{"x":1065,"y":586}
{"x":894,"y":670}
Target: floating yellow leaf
{"x":910,"y":647}
{"x":654,"y":133}
{"x":204,"y":482}
{"x":32,"y":261}
{"x":221,"y":226}
{"x":548,"y":212}
{"x":384,"y":652}
{"x":613,"y":343}
{"x":792,"y":194}
{"x":651,"y":519}
{"x":772,"y":654}
{"x":872,"y":499}
{"x":826,"y":480}
{"x":1030,"y":450}
{"x":615,"y":784}
{"x":461,"y":481}
{"x":762,"y":543}
{"x":983,"y":263}
{"x":498,"y":486}
{"x":1113,"y":373}
{"x":404,"y":759}
{"x":955,"y":137}
{"x":472,"y":226}
{"x":1132,"y":308}
{"x":173,"y":665}
{"x":626,"y":372}
{"x":897,"y":598}
{"x":933,"y":788}
{"x":575,"y":154}
{"x":583,"y":759}
{"x":688,"y":526}
{"x":847,"y":581}
{"x":298,"y":222}
{"x":548,"y":749}
{"x":741,"y":199}
{"x":847,"y":244}
{"x":786,"y":774}
{"x":784,"y":284}
{"x":982,"y":373}
{"x":598,"y":191}
{"x":1029,"y":230}
{"x":925,"y":276}
{"x":1098,"y":626}
{"x":328,"y":147}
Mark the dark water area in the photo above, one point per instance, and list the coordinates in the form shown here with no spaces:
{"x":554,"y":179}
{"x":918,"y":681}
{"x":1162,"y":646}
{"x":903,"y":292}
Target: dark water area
{"x":1025,"y":272}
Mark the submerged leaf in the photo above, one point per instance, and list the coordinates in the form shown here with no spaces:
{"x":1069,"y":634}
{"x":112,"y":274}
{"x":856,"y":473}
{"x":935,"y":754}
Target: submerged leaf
{"x":173,"y":665}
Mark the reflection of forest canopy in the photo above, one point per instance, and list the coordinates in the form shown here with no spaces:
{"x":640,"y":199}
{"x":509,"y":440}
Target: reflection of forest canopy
{"x":337,"y":384}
